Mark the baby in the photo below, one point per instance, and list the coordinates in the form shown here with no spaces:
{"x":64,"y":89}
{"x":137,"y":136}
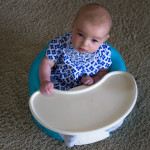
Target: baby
{"x":81,"y":56}
{"x":78,"y":57}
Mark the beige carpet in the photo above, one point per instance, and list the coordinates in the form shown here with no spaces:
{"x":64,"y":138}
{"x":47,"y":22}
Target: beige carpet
{"x":26,"y":26}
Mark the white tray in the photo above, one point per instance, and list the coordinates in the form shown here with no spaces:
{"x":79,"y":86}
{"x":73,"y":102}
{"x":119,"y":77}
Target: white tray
{"x":85,"y":109}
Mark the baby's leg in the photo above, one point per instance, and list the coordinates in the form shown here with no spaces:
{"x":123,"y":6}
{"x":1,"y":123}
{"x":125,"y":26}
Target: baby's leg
{"x":69,"y":140}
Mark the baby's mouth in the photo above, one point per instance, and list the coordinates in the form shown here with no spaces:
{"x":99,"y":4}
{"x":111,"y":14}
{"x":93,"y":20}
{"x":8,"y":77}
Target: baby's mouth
{"x":81,"y":50}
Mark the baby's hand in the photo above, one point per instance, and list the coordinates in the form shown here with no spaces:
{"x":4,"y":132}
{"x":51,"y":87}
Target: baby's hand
{"x":87,"y":80}
{"x":46,"y":87}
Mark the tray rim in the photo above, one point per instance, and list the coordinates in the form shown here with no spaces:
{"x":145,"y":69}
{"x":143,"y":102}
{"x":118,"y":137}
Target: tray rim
{"x":81,"y":91}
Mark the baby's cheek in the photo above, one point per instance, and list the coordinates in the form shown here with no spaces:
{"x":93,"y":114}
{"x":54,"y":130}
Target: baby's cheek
{"x":93,"y":48}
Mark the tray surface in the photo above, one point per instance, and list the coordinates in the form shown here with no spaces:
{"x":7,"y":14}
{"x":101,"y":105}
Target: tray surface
{"x":86,"y":109}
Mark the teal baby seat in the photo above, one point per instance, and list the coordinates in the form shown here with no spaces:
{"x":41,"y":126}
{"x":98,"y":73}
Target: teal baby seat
{"x":34,"y":82}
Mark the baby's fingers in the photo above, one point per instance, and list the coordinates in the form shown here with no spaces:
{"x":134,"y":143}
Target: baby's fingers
{"x":49,"y":88}
{"x":46,"y":88}
{"x":88,"y":82}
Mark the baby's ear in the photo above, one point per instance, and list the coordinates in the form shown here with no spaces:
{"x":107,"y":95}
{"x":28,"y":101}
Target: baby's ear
{"x":73,"y":24}
{"x":107,"y":37}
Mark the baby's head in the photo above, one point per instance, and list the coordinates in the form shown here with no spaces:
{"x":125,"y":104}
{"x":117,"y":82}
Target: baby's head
{"x":91,"y":28}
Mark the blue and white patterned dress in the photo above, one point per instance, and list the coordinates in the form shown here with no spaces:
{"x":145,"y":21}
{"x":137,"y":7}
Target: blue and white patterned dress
{"x":70,"y":65}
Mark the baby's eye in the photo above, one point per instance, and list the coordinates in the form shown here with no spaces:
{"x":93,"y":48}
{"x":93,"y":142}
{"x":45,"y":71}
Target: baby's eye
{"x":93,"y":40}
{"x":80,"y":34}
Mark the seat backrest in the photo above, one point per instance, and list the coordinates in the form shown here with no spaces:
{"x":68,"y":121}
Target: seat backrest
{"x":117,"y":61}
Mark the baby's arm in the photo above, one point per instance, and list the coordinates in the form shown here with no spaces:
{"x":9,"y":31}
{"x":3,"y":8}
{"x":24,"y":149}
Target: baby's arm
{"x":44,"y":75}
{"x":87,"y":80}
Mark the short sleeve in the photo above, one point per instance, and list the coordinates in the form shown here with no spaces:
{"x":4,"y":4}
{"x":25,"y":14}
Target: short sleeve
{"x":53,"y":50}
{"x":106,"y":56}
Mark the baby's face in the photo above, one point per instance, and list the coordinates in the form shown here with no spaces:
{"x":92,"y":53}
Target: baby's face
{"x":86,"y":37}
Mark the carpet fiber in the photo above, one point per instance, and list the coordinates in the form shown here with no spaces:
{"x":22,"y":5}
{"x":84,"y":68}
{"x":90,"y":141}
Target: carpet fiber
{"x":25,"y":29}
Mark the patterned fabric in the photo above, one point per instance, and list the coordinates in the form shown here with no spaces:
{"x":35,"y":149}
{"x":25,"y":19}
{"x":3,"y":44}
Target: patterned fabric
{"x":70,"y":65}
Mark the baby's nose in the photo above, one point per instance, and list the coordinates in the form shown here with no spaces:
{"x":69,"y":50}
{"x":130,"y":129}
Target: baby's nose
{"x":85,"y":43}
